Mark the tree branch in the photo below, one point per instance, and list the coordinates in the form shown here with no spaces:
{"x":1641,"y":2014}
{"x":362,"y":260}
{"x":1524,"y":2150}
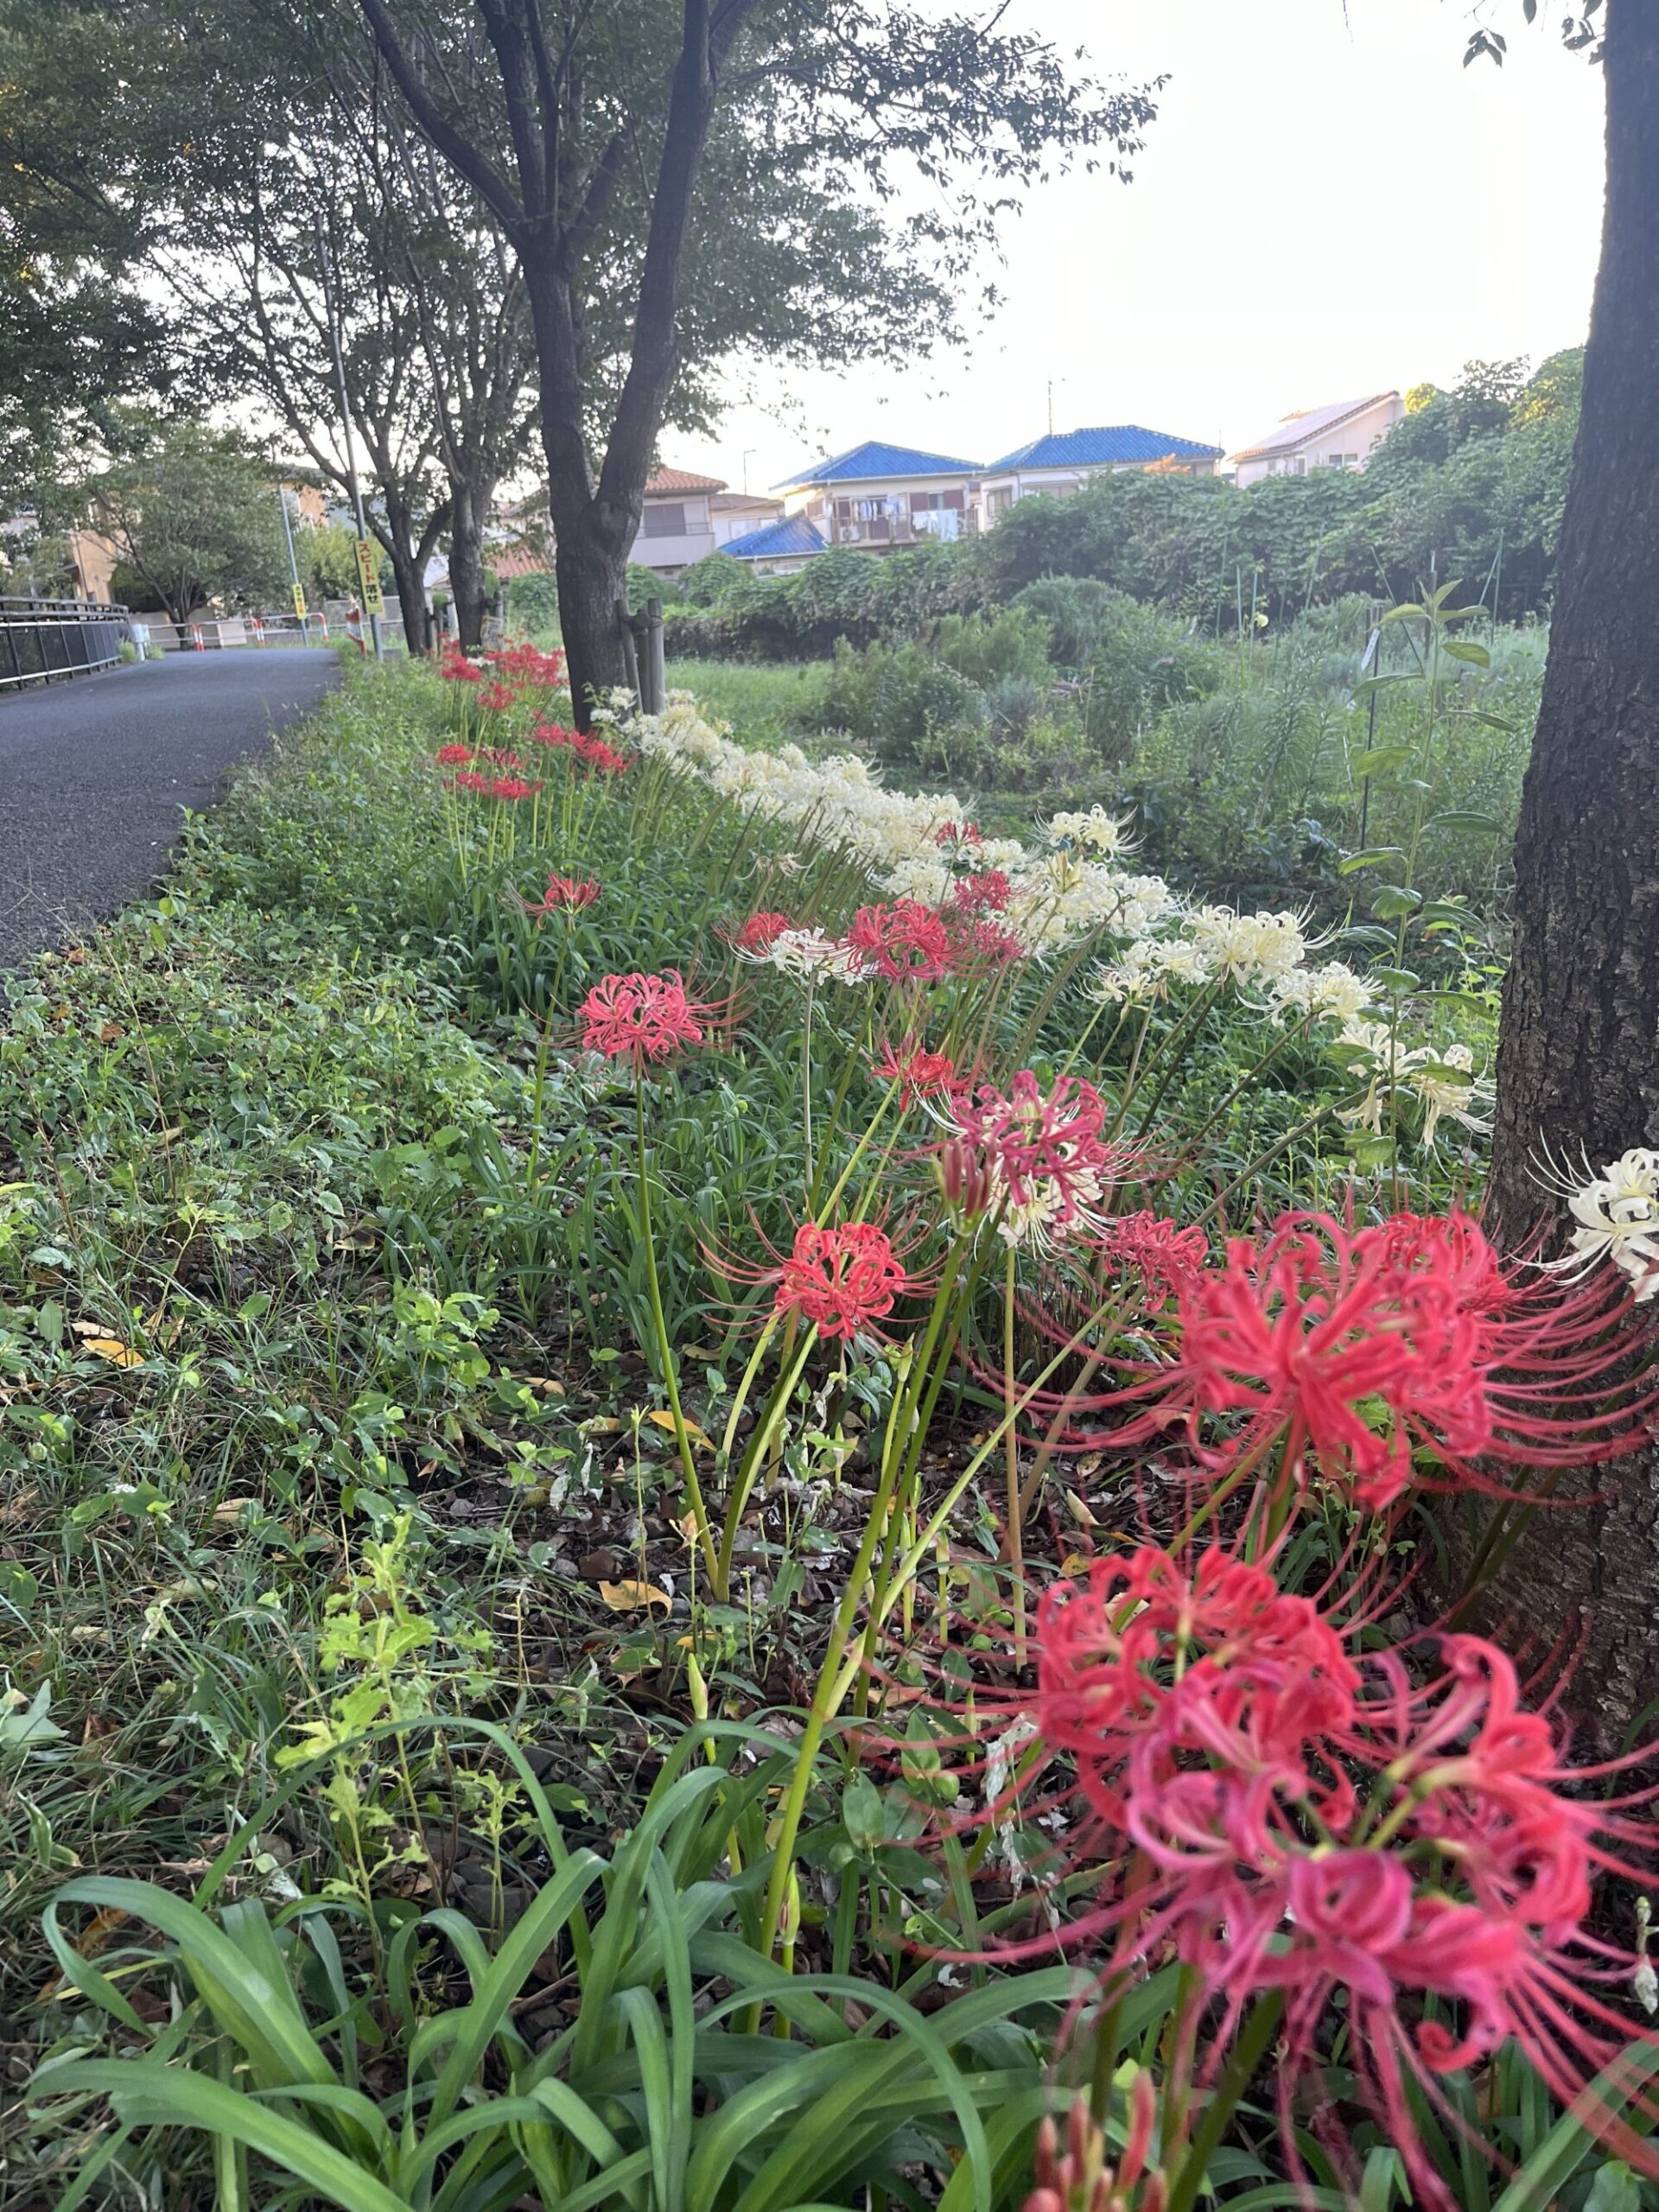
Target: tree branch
{"x":468,"y":159}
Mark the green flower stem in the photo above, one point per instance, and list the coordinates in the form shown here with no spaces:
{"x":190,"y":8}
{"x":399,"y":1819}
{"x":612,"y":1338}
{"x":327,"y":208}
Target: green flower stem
{"x":665,"y":1351}
{"x":758,"y":1443}
{"x":1248,"y":2053}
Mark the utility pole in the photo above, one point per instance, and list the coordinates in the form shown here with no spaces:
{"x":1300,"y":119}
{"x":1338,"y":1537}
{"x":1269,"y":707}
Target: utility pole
{"x":326,"y":265}
{"x":293,"y":564}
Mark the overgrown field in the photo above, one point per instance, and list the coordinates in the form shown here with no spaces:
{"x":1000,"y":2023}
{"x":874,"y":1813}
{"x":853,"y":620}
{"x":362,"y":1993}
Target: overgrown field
{"x":710,"y":1489}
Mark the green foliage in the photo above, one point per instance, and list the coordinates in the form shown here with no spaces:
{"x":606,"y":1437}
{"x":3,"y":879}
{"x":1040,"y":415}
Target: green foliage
{"x":327,"y":564}
{"x":533,"y":605}
{"x":706,"y":582}
{"x":194,"y":515}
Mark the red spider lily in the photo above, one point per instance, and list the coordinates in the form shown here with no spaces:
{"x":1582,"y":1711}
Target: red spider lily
{"x":986,"y":891}
{"x":1044,"y":1150}
{"x":958,"y":833}
{"x":528,"y":664}
{"x":844,"y":1282}
{"x":499,"y":756}
{"x":469,"y":780}
{"x":756,"y":937}
{"x":976,"y":945}
{"x":1356,"y":1346}
{"x":917,"y":1072}
{"x":595,"y":752}
{"x":1307,"y":1822}
{"x":1167,"y":1259}
{"x":454,"y":756}
{"x":640,"y":1018}
{"x":513,"y":788}
{"x":564,"y":894}
{"x":903,"y":940}
{"x":552,"y":734}
{"x":454,"y":667}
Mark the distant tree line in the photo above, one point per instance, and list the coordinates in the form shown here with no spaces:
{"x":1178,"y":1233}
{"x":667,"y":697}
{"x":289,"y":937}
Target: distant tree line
{"x":1469,"y":485}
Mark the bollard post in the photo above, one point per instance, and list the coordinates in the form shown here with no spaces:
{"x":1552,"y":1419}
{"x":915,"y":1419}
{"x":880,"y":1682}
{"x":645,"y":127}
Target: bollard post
{"x":656,"y":660}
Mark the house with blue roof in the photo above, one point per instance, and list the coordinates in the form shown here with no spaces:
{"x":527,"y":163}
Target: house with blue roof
{"x":778,"y":549}
{"x":879,"y":496}
{"x":1063,"y":461}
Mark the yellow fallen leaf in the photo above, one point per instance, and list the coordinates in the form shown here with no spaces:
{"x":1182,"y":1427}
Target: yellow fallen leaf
{"x":1076,"y":1563}
{"x":603,"y":1425}
{"x":96,"y":1934}
{"x":230,"y":1509}
{"x":633,"y":1597}
{"x":114,"y":1351}
{"x":666,"y":1420}
{"x":686,"y":1525}
{"x":541,"y":1382}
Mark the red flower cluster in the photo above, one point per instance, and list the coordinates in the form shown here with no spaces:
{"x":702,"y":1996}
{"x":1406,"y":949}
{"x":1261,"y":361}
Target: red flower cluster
{"x":1041,"y":1146}
{"x":1168,"y":1260}
{"x":565,"y":894}
{"x":594,"y":750}
{"x":903,"y":940}
{"x":525,"y":663}
{"x":454,"y":667}
{"x":495,"y":697}
{"x":758,"y":933}
{"x":638,"y":1018}
{"x":918,"y":1073}
{"x":512,"y":788}
{"x":454,"y":756}
{"x":842,"y":1280}
{"x":1297,"y":1817}
{"x":1358,"y":1346}
{"x":986,"y":891}
{"x":499,"y":756}
{"x":957,"y":834}
{"x":980,"y":944}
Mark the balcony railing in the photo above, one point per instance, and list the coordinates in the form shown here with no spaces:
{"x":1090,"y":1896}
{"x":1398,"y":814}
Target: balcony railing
{"x":897,"y":527}
{"x":43,"y":638}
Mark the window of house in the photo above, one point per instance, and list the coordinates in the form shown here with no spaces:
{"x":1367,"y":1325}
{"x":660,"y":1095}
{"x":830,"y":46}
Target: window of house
{"x":660,"y":521}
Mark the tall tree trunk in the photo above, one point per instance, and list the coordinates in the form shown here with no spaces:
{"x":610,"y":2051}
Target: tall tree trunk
{"x":409,"y":573}
{"x":470,"y":503}
{"x":591,"y":535}
{"x":1577,"y":1063}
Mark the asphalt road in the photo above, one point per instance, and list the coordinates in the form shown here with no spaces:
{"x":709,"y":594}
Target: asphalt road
{"x":93,"y":773}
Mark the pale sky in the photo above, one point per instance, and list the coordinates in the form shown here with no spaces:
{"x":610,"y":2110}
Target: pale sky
{"x":1328,"y":205}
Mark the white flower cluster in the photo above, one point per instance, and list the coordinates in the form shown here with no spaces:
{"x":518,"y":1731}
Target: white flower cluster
{"x":1068,"y":887}
{"x":1440,"y":1079}
{"x":1618,"y":1214}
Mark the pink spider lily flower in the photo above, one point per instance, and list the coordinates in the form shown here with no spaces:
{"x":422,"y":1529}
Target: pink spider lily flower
{"x":642,"y":1019}
{"x":1360,"y":1347}
{"x":755,"y":939}
{"x":842,"y":1280}
{"x":901,"y":940}
{"x":1044,"y":1152}
{"x":564,"y":894}
{"x":1165,"y":1258}
{"x":1391,"y":1837}
{"x":958,"y":834}
{"x":918,"y":1073}
{"x":986,"y":891}
{"x":981,"y":945}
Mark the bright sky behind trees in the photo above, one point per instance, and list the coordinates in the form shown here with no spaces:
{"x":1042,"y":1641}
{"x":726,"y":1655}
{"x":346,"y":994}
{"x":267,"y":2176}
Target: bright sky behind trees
{"x":1328,"y":204}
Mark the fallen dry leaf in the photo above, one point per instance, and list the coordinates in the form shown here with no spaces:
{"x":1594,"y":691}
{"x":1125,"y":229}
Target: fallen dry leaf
{"x":110,"y":1034}
{"x":634,"y":1597}
{"x":95,"y":1934}
{"x":114,"y":1351}
{"x":661,"y":1420}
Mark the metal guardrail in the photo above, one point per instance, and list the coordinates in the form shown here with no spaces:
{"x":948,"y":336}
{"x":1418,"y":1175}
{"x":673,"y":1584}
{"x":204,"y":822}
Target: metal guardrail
{"x":43,"y":638}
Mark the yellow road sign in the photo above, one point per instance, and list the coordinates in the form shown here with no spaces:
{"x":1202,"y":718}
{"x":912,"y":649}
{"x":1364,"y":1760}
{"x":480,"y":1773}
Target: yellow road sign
{"x":299,"y":601}
{"x":368,"y":575}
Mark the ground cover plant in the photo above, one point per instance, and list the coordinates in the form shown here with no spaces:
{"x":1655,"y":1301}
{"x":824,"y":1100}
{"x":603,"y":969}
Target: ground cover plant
{"x":720,"y":1494}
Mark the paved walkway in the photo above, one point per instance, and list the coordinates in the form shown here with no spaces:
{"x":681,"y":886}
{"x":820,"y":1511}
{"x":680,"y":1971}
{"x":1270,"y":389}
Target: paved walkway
{"x":93,"y":773}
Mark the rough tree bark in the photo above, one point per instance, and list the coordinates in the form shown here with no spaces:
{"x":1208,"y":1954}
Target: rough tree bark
{"x":466,"y":512}
{"x":1578,"y":1064}
{"x":552,"y":218}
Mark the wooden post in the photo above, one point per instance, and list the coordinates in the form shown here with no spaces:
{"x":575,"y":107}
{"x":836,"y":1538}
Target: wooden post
{"x":655,"y":661}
